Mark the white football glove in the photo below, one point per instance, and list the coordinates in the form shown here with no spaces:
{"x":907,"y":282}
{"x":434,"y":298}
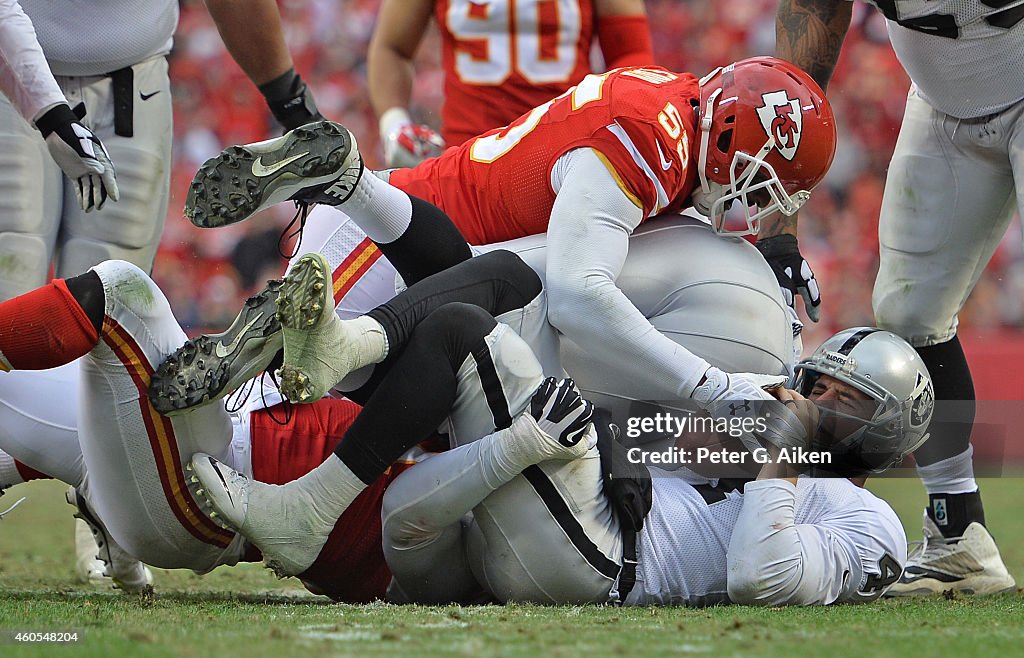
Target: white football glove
{"x":745,"y":395}
{"x":81,"y":156}
{"x":411,"y":145}
{"x":561,"y":412}
{"x":405,"y":143}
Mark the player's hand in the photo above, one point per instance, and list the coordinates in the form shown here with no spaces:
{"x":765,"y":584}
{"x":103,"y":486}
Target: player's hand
{"x":80,"y":154}
{"x":793,"y":272}
{"x":743,"y":396}
{"x":561,"y":412}
{"x":291,"y":101}
{"x":411,"y":144}
{"x":720,"y":386}
{"x":791,"y":422}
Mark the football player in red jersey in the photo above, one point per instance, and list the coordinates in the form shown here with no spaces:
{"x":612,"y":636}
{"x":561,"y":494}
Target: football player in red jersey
{"x":586,"y":167}
{"x":103,"y":335}
{"x":501,"y":58}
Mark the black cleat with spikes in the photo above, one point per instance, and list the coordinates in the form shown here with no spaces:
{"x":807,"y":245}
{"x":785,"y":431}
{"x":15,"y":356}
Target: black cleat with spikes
{"x":209,"y":367}
{"x":315,"y":163}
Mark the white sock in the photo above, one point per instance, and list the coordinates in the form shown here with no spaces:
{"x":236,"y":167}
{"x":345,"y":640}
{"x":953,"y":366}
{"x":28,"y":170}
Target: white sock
{"x":502,"y":456}
{"x":332,"y":487}
{"x":371,"y":344}
{"x":954,"y":475}
{"x":515,"y":448}
{"x":382,"y":211}
{"x":9,"y":475}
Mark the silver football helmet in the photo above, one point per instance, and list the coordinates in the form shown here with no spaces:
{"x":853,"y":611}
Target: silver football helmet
{"x":887,"y":369}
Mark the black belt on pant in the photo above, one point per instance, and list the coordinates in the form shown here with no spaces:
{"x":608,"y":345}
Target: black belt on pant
{"x":627,"y":576}
{"x":123,"y":86}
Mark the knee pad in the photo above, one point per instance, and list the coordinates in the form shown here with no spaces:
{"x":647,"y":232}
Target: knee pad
{"x":24,"y":263}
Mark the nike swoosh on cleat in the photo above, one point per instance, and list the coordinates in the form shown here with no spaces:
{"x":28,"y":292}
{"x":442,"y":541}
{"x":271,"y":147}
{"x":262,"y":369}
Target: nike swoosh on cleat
{"x":223,"y":350}
{"x":261,"y":170}
{"x":220,"y":475}
{"x":913,"y":574}
{"x":146,"y":97}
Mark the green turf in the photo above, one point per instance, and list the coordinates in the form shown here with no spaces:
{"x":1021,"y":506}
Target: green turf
{"x":245,"y":611}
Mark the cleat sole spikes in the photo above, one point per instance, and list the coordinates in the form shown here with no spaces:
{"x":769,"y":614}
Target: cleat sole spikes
{"x":313,"y":164}
{"x":208,"y":368}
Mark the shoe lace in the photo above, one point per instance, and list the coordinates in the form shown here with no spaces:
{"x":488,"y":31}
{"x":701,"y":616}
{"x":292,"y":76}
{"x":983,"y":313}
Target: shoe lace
{"x":235,"y":400}
{"x":302,"y":209}
{"x":286,"y":404}
{"x":932,"y":547}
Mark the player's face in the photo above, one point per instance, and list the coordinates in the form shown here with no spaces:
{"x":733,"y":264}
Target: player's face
{"x":847,"y":403}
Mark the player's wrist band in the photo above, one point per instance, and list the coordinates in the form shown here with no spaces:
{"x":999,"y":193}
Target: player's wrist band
{"x":59,"y":115}
{"x":778,"y":245}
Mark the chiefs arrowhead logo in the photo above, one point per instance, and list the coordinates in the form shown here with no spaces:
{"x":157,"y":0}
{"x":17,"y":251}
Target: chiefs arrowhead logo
{"x":782,"y":119}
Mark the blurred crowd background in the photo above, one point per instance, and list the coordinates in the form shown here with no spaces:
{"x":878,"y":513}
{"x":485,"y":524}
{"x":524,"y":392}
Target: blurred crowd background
{"x":206,"y":273}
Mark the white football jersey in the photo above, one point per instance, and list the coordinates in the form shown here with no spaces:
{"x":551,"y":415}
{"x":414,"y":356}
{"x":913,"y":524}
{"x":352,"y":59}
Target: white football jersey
{"x":682,"y":551}
{"x":93,"y":37}
{"x":965,"y":56}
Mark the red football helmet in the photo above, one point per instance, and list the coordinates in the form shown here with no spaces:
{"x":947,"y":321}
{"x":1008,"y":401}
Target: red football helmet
{"x":765,"y":127}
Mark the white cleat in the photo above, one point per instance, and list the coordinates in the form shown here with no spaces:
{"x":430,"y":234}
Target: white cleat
{"x":280,"y":520}
{"x":320,"y":348}
{"x":99,"y":559}
{"x":89,"y":570}
{"x":970,"y":564}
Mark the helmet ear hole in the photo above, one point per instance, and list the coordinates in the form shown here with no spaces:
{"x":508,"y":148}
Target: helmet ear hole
{"x":724,"y":140}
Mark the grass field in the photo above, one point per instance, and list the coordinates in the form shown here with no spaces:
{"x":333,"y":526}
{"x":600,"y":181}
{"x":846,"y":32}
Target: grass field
{"x":245,"y":610}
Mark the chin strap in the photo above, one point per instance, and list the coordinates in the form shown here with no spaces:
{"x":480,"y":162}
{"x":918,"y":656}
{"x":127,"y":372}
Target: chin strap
{"x":705,"y":138}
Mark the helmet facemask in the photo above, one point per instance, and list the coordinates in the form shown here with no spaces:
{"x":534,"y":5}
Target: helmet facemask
{"x":861,"y":442}
{"x":748,"y":175}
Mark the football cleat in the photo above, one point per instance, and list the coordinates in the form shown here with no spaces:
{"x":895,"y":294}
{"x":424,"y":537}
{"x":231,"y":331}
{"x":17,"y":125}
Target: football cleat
{"x":124,"y":571}
{"x":319,"y":347}
{"x":970,"y":564}
{"x":89,"y":569}
{"x":281,"y":521}
{"x":208,"y":368}
{"x":315,"y":163}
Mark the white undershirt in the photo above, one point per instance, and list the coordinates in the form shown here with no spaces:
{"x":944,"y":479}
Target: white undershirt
{"x":25,"y":77}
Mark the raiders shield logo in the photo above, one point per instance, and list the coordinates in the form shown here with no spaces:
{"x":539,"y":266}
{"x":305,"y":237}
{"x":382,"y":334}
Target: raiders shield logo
{"x":782,"y":119}
{"x":922,"y":410}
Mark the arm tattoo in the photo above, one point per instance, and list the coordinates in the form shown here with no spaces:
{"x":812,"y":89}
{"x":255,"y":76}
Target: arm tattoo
{"x":810,"y":33}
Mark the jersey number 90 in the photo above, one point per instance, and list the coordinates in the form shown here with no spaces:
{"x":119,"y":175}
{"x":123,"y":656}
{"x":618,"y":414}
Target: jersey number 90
{"x":510,"y":31}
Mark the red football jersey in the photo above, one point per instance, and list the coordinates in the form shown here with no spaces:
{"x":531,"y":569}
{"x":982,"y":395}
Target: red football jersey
{"x":497,"y":186}
{"x":351,"y":566}
{"x":503,"y":57}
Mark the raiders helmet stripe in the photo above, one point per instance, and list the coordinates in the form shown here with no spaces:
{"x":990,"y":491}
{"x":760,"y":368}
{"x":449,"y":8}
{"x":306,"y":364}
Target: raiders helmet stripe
{"x":852,"y":341}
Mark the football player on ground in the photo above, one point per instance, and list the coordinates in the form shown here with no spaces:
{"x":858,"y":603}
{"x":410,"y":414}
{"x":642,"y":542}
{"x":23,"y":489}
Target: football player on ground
{"x":588,"y":168}
{"x":126,"y":463}
{"x":109,"y":62}
{"x":848,"y":545}
{"x":501,"y":59}
{"x":949,"y":197}
{"x":779,"y":540}
{"x":674,"y":269}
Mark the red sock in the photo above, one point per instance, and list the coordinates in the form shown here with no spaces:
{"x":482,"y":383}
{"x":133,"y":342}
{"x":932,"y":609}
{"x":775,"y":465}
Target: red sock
{"x":44,"y":329}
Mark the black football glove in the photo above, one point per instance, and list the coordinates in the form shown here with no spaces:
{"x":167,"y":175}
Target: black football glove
{"x":80,"y":154}
{"x":793,"y":272}
{"x":290,"y":100}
